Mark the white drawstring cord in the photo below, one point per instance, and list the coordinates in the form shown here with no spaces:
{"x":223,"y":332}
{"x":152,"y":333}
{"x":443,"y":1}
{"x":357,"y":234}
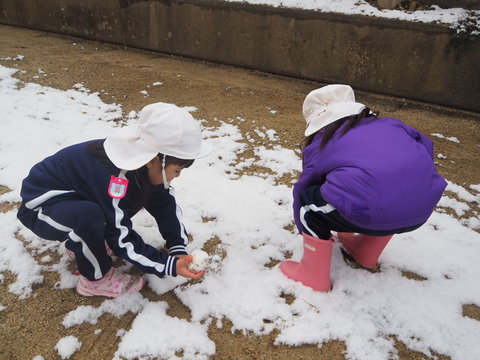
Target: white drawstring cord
{"x":166,"y":185}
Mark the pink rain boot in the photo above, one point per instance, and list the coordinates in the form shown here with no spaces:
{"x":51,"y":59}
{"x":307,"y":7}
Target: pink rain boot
{"x":363,"y":249}
{"x":314,"y":268}
{"x":114,"y":284}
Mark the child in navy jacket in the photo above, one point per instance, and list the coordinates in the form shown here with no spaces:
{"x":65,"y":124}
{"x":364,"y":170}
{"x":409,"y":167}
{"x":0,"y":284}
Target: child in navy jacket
{"x":85,"y":195}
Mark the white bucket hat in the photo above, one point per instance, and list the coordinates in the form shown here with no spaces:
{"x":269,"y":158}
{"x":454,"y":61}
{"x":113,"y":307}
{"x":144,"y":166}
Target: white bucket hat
{"x":162,"y":128}
{"x":328,"y":104}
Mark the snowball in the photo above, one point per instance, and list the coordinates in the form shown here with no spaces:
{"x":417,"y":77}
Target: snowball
{"x":199,"y":262}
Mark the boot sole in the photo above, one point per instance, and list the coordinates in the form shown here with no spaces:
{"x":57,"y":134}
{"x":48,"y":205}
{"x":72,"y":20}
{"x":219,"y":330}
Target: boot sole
{"x":354,"y":264}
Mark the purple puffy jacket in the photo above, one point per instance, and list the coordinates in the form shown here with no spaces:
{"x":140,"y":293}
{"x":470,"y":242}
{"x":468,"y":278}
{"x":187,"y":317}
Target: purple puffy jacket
{"x":380,"y":175}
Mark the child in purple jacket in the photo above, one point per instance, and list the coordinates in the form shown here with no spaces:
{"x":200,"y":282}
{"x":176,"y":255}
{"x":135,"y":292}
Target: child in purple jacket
{"x":364,"y":177}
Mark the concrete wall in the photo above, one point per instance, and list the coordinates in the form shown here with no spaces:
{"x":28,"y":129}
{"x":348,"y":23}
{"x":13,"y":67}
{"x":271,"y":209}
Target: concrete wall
{"x":412,"y":60}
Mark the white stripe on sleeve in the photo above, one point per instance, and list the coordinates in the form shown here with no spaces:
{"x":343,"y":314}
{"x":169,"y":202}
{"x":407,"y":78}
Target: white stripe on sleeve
{"x":140,"y":258}
{"x":32,"y":204}
{"x":178,"y":213}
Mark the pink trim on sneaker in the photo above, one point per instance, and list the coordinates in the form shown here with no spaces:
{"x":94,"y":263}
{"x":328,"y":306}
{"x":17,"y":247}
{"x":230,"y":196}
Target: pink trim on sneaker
{"x":109,"y":251}
{"x":70,"y":254}
{"x":114,"y":284}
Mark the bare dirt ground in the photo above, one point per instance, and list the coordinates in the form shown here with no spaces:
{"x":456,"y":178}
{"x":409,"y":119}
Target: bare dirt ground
{"x":33,"y":326}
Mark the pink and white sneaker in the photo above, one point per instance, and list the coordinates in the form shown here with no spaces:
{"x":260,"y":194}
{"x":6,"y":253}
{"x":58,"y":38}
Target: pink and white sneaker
{"x":114,"y":284}
{"x":70,"y":254}
{"x":109,"y":251}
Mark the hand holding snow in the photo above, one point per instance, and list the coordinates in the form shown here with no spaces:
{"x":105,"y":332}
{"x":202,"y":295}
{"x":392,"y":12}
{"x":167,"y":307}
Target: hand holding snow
{"x":199,"y":262}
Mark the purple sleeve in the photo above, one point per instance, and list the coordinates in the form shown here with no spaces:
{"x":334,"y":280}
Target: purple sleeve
{"x":310,"y":176}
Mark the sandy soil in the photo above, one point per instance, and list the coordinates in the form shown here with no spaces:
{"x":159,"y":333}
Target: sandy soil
{"x":33,"y":326}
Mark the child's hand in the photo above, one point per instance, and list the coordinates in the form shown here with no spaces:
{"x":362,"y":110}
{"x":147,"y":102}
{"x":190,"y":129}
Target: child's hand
{"x":182,"y":267}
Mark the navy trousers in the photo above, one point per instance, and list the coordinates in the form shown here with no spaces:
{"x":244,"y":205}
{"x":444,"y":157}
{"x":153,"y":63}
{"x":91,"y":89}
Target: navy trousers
{"x":319,"y":218}
{"x":81,"y":224}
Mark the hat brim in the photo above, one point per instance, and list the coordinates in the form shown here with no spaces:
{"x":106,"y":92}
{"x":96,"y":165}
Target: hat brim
{"x":332,"y":113}
{"x":205,"y":149}
{"x":126,"y":150}
{"x":129,"y":152}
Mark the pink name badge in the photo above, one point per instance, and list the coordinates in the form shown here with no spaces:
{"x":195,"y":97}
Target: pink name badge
{"x":118,"y":187}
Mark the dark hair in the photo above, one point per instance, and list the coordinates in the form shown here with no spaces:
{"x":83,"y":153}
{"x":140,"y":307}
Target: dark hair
{"x":171,"y":160}
{"x":141,"y":174}
{"x":96,"y":149}
{"x":348,"y":122}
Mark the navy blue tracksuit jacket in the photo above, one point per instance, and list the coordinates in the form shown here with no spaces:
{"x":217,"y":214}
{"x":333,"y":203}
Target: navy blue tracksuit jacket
{"x":74,"y":177}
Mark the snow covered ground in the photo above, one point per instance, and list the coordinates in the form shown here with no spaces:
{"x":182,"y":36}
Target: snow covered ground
{"x":249,"y":214}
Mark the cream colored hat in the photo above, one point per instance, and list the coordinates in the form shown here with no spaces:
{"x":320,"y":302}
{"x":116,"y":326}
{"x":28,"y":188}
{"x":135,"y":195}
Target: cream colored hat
{"x":162,"y":128}
{"x":328,"y":104}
